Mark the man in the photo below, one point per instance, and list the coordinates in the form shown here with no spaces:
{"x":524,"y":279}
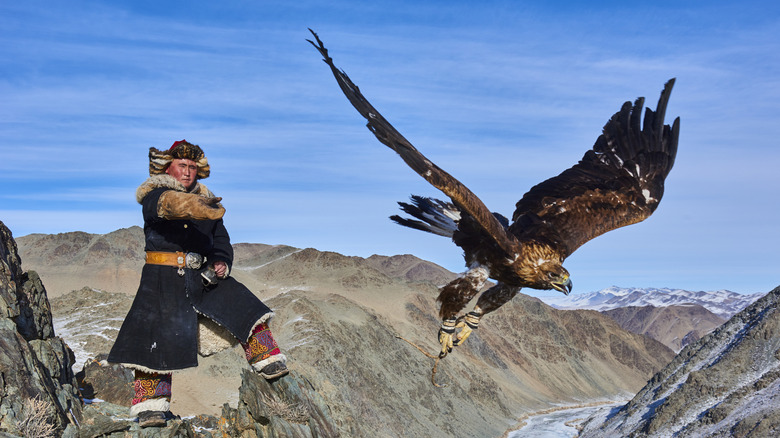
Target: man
{"x":186,"y":300}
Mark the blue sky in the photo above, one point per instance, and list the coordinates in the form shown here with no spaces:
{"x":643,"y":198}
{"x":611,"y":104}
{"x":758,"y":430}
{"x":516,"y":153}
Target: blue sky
{"x":501,"y":94}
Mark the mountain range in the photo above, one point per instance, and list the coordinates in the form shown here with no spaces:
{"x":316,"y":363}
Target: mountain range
{"x":675,"y":317}
{"x":112,"y":262}
{"x":723,"y":303}
{"x":675,"y":326}
{"x":727,"y":384}
{"x":345,"y":323}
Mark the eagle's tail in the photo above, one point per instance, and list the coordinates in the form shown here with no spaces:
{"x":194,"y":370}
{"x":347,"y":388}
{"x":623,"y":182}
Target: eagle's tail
{"x":435,"y":216}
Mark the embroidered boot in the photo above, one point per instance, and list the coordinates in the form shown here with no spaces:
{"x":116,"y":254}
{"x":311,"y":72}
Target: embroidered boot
{"x":263,"y":353}
{"x":152,"y":398}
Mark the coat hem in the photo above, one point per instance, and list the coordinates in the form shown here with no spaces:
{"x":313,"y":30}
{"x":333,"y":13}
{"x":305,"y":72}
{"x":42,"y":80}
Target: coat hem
{"x":144,"y":369}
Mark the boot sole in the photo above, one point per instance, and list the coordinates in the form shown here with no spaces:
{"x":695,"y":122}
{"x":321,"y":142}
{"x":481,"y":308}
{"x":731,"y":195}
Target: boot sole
{"x":275,"y":375}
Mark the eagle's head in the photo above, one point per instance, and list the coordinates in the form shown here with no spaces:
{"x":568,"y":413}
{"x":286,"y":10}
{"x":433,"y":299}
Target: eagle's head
{"x":556,"y":277}
{"x":540,"y":267}
{"x":552,"y":275}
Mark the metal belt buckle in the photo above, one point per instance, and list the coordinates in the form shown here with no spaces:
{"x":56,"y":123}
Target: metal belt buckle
{"x":193,"y":260}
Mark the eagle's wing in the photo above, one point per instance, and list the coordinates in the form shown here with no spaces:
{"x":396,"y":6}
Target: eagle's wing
{"x":461,"y":196}
{"x":617,"y":183}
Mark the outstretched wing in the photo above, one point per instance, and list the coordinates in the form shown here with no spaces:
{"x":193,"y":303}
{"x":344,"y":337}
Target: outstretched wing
{"x":461,"y":196}
{"x":617,"y":183}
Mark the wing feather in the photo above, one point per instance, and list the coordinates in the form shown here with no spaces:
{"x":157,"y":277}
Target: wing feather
{"x":460,"y":195}
{"x":619,"y":182}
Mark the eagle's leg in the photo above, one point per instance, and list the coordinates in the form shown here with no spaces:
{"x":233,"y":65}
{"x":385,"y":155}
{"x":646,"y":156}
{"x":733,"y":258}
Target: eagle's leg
{"x":495,"y":297}
{"x":489,"y":301}
{"x":454,"y":297}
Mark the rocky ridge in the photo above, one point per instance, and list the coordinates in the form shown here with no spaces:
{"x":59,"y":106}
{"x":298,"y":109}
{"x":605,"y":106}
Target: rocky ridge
{"x":726,"y":384}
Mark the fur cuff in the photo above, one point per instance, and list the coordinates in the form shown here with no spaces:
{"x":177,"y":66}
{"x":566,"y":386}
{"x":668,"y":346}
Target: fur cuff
{"x":258,"y":366}
{"x":155,"y":404}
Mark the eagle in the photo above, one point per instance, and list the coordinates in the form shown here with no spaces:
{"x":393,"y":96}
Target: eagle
{"x":618,"y":182}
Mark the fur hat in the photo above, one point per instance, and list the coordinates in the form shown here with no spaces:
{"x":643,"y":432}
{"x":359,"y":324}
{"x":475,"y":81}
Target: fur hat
{"x":182,"y":149}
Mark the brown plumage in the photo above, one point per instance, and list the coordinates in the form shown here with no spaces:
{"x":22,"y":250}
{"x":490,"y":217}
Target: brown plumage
{"x":618,"y":182}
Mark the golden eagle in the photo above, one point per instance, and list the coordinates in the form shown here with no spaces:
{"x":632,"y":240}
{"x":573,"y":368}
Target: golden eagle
{"x":618,"y":182}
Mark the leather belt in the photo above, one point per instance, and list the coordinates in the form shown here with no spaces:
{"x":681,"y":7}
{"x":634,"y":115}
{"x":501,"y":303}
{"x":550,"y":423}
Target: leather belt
{"x":176,"y":259}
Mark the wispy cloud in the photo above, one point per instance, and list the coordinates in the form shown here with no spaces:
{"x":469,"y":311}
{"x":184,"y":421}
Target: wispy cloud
{"x":500,"y":94}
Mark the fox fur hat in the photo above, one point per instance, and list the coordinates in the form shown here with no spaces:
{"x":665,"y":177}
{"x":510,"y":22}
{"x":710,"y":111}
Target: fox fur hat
{"x":182,"y":149}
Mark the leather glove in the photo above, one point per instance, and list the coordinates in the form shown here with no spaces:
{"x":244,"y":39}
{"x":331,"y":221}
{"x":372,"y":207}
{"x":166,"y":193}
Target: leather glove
{"x":180,"y":205}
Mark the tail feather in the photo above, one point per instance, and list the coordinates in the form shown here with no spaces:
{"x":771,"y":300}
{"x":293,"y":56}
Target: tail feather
{"x":432,"y":215}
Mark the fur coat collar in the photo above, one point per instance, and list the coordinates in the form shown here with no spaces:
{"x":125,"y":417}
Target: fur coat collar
{"x":167,"y":181}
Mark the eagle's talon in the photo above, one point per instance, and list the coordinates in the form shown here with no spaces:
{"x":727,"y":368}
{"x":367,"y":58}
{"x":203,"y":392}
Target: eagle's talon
{"x":447,"y":335}
{"x":467,"y":325}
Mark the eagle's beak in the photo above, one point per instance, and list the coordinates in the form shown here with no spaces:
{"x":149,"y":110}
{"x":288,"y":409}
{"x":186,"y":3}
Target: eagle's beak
{"x":565,"y":286}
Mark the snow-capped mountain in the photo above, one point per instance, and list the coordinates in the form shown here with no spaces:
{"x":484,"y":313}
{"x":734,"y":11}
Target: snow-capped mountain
{"x":726,"y":384}
{"x":723,"y":303}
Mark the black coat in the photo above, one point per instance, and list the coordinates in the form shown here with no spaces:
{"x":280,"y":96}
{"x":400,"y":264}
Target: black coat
{"x":161,"y":328}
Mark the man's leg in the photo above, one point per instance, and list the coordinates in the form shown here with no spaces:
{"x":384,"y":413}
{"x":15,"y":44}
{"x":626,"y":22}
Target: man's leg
{"x":263,"y":353}
{"x":152,"y":398}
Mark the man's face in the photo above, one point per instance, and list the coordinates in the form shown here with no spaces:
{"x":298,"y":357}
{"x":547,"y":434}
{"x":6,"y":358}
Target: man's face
{"x":184,"y":171}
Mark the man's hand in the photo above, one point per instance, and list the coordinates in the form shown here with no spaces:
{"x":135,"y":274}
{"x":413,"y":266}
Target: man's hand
{"x":221,"y":269}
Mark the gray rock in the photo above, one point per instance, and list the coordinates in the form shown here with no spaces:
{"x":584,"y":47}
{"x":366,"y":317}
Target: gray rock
{"x":35,"y":366}
{"x":110,"y":383}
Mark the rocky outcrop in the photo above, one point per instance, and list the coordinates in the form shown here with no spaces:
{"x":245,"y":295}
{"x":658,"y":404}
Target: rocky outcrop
{"x":726,"y":384}
{"x":38,"y":390}
{"x":289,"y":407}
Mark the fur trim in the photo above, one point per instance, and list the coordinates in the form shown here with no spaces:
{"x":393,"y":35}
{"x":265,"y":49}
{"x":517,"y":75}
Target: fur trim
{"x":213,"y":338}
{"x":155,"y":404}
{"x":263,"y":319}
{"x":144,"y":369}
{"x":160,"y":160}
{"x":258,"y":366}
{"x":166,"y":181}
